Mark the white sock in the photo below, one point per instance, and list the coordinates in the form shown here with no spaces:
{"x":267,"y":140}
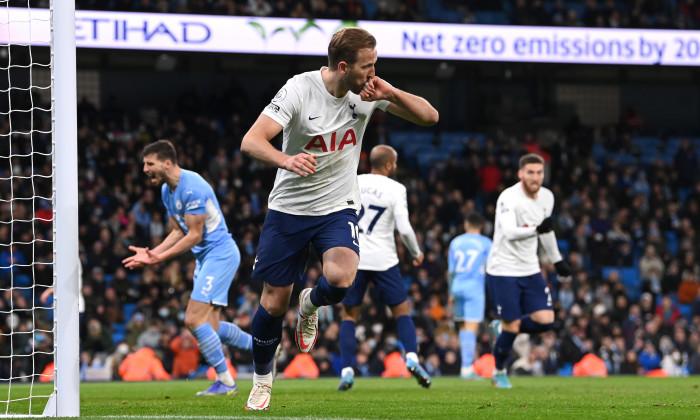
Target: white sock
{"x":262,"y":379}
{"x":466,"y":371}
{"x":347,"y":371}
{"x":412,"y":357}
{"x":306,"y":307}
{"x":226,"y":378}
{"x":499,"y":371}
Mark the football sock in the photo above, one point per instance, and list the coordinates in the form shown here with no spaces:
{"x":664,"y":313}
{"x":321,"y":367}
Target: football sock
{"x":210,"y":346}
{"x":267,"y":332}
{"x":467,"y":344}
{"x":407,"y":333}
{"x":324,"y":294}
{"x":226,"y":378}
{"x":347,"y":343}
{"x":527,"y":325}
{"x":502,"y":348}
{"x":232,"y":335}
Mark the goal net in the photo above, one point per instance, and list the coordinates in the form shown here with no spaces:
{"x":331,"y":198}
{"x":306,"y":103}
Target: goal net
{"x":38,"y":211}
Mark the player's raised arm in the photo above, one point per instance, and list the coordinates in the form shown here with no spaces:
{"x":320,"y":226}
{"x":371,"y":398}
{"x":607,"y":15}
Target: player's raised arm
{"x":403,"y":104}
{"x":256,"y":144}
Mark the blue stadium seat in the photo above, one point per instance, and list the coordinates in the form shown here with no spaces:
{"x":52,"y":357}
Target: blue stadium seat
{"x":491,"y":18}
{"x":622,"y":159}
{"x":686,"y":310}
{"x":118,"y":332}
{"x":398,"y":139}
{"x":128,"y":309}
{"x":671,"y":242}
{"x":428,"y":159}
{"x":370,"y":7}
{"x":410,"y":150}
{"x":630,"y":278}
{"x":646,"y":142}
{"x":463,"y":138}
{"x":579,"y":7}
{"x":564,"y":247}
{"x":454,"y":149}
{"x":598,"y":153}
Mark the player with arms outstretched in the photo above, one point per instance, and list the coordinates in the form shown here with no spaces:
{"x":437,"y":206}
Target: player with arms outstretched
{"x":323,"y":115}
{"x":196,"y":223}
{"x":384,"y":208}
{"x":466,"y":264}
{"x":518,"y":292}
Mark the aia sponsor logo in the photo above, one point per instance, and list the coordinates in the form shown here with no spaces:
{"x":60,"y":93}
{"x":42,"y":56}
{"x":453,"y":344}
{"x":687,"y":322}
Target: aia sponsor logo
{"x":329,"y":145}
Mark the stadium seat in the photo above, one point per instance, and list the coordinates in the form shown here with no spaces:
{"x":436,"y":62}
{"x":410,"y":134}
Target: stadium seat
{"x":370,"y":7}
{"x":671,"y":242}
{"x":428,"y":159}
{"x":686,"y":310}
{"x":629,"y":277}
{"x":463,"y":138}
{"x":118,"y":332}
{"x":646,"y":142}
{"x":563,"y":245}
{"x":398,"y":139}
{"x":128,"y":309}
{"x":491,"y":18}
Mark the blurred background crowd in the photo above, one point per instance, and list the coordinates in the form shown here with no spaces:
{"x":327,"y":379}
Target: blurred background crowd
{"x":662,"y":14}
{"x":629,"y":231}
{"x":627,"y":217}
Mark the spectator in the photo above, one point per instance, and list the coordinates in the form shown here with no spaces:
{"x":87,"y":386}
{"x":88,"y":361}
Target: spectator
{"x":142,"y":365}
{"x":185,"y":354}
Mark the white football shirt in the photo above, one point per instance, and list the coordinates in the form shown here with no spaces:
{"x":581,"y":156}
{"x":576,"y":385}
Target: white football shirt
{"x":383,"y":205}
{"x":515,"y":241}
{"x":315,"y":122}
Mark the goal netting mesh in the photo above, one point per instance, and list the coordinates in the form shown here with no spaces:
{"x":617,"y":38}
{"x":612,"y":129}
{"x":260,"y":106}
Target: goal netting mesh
{"x":26,"y":210}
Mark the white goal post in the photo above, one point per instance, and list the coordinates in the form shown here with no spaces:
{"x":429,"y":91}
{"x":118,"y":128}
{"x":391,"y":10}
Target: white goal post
{"x":65,"y":204}
{"x":38,"y":211}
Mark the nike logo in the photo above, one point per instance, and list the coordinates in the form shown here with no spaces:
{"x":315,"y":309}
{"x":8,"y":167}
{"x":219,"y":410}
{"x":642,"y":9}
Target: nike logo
{"x":302,"y":345}
{"x":264,"y":403}
{"x":313,"y":118}
{"x":258,"y":407}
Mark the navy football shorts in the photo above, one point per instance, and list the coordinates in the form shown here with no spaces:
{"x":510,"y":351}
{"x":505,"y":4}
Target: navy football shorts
{"x":389,"y":284}
{"x":513,"y":297}
{"x":284,"y":243}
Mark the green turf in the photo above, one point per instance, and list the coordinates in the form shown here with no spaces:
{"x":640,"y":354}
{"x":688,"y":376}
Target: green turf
{"x":448,"y":398}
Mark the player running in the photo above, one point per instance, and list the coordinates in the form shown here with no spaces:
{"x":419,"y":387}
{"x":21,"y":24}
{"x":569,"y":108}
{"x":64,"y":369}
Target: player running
{"x":384,"y":208}
{"x":323,"y":115}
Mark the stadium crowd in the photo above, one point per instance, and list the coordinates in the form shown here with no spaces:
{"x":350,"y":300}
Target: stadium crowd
{"x":629,"y":231}
{"x":669,"y":14}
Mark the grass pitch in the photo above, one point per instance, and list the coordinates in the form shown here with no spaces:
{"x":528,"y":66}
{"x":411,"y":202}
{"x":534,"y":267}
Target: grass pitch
{"x":375,"y":398}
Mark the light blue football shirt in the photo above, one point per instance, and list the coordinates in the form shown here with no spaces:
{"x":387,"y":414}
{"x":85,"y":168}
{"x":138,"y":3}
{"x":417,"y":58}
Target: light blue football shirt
{"x":467,"y":262}
{"x":194,"y":195}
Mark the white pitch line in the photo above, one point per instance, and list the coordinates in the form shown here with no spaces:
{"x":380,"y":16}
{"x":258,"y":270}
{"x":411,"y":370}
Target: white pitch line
{"x":214,"y":417}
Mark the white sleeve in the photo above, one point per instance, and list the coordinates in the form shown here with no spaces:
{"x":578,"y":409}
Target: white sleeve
{"x":408,"y":236}
{"x":509,"y":225}
{"x":284,"y":105}
{"x":549,"y":244}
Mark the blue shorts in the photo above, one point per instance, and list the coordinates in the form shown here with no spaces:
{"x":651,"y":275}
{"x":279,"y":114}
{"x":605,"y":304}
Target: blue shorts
{"x":469,"y":304}
{"x":284,"y":243}
{"x":214,"y":273}
{"x":389,"y":284}
{"x":513,"y":297}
